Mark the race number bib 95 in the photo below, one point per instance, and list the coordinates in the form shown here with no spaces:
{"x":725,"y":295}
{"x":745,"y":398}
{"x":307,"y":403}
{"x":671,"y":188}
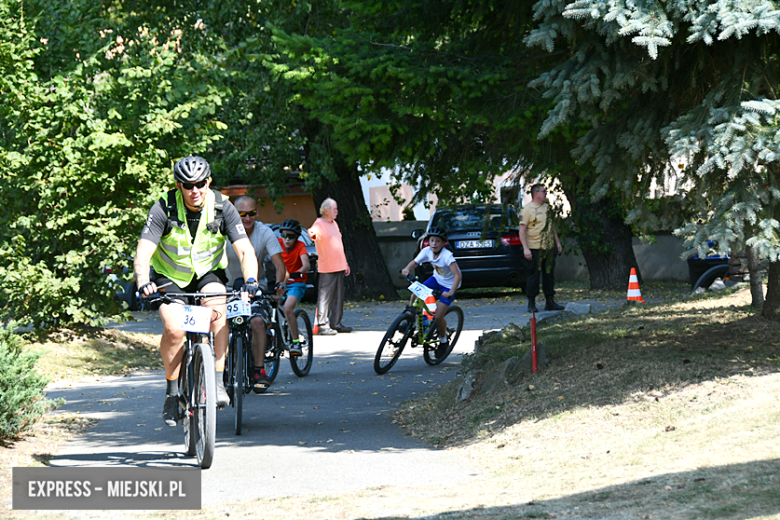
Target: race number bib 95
{"x":238,"y":308}
{"x":195,"y":319}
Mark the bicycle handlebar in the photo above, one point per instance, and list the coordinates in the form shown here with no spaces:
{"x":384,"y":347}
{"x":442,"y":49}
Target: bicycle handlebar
{"x":412,"y":279}
{"x":173,"y":298}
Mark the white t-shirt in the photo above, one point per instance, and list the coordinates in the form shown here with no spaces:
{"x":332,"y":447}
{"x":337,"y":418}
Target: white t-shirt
{"x":441,"y":265}
{"x":265,"y":243}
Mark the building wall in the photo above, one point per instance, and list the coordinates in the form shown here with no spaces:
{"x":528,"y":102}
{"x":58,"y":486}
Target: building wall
{"x":298,"y":205}
{"x":658,"y":261}
{"x":397,"y":245}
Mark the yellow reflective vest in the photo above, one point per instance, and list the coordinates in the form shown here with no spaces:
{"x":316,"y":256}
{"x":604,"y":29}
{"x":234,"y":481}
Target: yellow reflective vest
{"x":177,"y":257}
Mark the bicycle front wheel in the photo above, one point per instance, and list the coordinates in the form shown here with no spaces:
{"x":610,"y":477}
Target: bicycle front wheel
{"x":205,"y":412}
{"x":238,"y":378}
{"x":433,"y":354}
{"x":186,"y":407}
{"x":273,"y":351}
{"x":302,"y":364}
{"x":393,"y":343}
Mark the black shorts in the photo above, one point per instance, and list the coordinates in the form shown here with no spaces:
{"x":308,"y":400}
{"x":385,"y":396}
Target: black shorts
{"x":196,"y":285}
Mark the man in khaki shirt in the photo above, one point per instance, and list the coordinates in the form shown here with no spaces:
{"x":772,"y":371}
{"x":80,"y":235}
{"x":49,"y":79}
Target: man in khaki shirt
{"x":540,"y":247}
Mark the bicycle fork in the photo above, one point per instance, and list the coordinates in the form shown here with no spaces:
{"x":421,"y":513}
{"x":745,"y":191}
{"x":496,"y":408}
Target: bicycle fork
{"x":187,"y":401}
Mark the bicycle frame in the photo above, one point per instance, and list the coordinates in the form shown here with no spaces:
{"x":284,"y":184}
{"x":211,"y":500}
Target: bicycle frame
{"x":421,"y":335}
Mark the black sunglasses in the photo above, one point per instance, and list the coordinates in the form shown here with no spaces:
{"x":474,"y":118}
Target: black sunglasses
{"x":247,"y":213}
{"x":289,"y":235}
{"x":189,"y":185}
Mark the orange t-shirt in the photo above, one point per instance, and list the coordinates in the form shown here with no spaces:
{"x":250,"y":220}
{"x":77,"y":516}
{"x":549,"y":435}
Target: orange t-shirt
{"x":292,"y":260}
{"x":330,"y":248}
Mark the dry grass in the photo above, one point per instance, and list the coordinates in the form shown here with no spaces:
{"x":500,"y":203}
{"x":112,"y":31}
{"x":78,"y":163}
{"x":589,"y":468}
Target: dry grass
{"x":35,"y":447}
{"x":670,"y":411}
{"x":86,"y":353}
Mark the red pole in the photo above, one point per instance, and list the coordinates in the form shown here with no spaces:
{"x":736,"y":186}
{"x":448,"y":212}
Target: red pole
{"x":533,"y":341}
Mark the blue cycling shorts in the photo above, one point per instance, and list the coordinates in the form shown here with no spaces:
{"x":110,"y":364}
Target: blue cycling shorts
{"x":297,"y":289}
{"x":433,"y":284}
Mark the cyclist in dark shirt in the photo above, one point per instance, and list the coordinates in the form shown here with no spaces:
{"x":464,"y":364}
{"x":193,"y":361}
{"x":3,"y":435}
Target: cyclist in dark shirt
{"x":184,"y":240}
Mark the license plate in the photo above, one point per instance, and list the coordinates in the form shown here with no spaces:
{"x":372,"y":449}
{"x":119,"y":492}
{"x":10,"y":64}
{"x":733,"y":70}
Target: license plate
{"x":474,"y":244}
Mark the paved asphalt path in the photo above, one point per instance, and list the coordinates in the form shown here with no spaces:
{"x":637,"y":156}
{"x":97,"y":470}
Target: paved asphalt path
{"x":330,"y":432}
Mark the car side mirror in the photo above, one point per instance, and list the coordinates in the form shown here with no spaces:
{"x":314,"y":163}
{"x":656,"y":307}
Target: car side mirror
{"x":417,"y":233}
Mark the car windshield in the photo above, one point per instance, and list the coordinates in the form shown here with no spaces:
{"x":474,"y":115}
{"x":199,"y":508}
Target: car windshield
{"x":494,"y":218}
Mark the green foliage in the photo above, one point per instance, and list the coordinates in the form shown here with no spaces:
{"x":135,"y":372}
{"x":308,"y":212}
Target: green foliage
{"x":685,"y":82}
{"x":21,"y":386}
{"x":84,"y":153}
{"x":436,"y":92}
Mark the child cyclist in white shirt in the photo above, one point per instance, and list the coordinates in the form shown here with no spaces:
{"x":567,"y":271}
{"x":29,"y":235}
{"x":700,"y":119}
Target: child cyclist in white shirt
{"x":446,"y":278}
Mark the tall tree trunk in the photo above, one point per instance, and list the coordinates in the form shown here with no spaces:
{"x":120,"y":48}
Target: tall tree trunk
{"x":772,"y":303}
{"x":756,"y":280}
{"x":605,"y":241}
{"x":771,"y":309}
{"x":369,"y":277}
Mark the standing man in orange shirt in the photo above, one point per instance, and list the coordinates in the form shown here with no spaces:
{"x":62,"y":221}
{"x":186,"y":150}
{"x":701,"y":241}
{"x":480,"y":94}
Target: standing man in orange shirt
{"x":332,"y":267}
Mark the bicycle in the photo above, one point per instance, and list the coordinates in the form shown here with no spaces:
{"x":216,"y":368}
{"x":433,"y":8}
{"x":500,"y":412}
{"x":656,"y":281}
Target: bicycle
{"x":197,"y":376}
{"x":239,"y":360}
{"x":410,"y":325}
{"x":280,"y":340}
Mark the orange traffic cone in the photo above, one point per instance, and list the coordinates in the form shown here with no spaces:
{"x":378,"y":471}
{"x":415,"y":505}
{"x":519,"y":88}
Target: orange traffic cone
{"x":430,"y":302}
{"x":316,"y":329}
{"x":634,"y":294}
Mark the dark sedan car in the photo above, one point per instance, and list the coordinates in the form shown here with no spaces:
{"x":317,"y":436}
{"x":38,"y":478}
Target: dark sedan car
{"x":485,"y":241}
{"x":311,"y":276}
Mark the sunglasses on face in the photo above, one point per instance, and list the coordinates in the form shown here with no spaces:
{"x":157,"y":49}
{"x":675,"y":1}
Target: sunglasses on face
{"x":248,"y":213}
{"x":189,"y":185}
{"x":291,"y":236}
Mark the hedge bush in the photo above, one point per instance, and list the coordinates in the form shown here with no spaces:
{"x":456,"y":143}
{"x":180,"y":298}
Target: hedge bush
{"x":22,"y":401}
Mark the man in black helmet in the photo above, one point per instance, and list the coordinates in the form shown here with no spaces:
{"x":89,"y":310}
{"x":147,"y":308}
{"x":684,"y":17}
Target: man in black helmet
{"x":184,"y":240}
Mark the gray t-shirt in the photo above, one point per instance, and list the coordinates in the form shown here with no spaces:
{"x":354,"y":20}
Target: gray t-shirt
{"x":265,"y":243}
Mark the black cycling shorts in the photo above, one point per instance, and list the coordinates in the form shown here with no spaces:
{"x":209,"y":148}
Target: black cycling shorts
{"x":196,"y":285}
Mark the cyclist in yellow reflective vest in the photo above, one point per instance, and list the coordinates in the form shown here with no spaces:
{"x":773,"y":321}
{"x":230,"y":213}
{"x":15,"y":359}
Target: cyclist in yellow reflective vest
{"x":184,"y":240}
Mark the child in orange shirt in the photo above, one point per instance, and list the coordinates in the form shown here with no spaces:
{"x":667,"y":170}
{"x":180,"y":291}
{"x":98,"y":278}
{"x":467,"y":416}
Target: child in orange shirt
{"x":296,"y":260}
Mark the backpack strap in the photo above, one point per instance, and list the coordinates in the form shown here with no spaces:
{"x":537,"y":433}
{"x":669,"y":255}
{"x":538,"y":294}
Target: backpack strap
{"x":218,"y":224}
{"x":169,"y":203}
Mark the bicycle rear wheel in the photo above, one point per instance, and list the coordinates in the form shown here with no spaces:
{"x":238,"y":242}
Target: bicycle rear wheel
{"x":238,"y":378}
{"x":454,"y":319}
{"x":273,"y":351}
{"x":205,"y":412}
{"x":393,"y":342}
{"x":302,"y":364}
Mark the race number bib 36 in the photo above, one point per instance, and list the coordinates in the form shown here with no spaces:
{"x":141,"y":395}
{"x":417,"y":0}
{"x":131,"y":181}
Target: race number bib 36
{"x":195,"y":319}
